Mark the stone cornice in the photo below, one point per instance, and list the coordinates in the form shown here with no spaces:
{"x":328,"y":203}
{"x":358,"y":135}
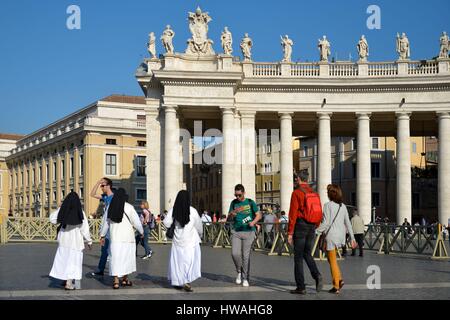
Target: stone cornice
{"x":198,"y":83}
{"x":347,"y":89}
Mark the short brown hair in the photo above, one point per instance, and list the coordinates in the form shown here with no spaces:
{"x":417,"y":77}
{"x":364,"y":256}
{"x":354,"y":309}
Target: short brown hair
{"x":334,"y":193}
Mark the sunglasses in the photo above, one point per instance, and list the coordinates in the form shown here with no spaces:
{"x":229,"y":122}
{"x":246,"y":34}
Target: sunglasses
{"x":103,"y":185}
{"x":238,"y":195}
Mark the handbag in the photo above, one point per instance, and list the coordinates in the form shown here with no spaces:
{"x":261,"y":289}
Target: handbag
{"x":171,"y":231}
{"x":323,"y":236}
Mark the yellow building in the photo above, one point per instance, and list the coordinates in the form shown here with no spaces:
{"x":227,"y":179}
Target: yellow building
{"x":105,"y":139}
{"x":7,"y":143}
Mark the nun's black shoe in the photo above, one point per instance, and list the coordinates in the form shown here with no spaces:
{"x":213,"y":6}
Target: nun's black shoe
{"x":187,"y":287}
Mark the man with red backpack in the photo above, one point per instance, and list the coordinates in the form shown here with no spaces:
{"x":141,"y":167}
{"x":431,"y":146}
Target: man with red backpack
{"x":305,"y":215}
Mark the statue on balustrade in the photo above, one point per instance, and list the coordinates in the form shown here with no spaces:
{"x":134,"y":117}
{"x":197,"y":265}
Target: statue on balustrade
{"x":246,"y":47}
{"x":151,"y":45}
{"x":325,"y":49}
{"x":363,"y":49}
{"x":227,"y":41}
{"x":166,"y":38}
{"x":403,"y":48}
{"x":287,"y":48}
{"x":444,"y":46}
{"x":198,"y":25}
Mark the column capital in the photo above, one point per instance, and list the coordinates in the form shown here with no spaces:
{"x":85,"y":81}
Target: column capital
{"x":247,"y":114}
{"x":363,"y":115}
{"x":324,"y":115}
{"x":170,"y":108}
{"x":403,"y":115}
{"x":226,"y":110}
{"x":285,"y":115}
{"x":443,"y":115}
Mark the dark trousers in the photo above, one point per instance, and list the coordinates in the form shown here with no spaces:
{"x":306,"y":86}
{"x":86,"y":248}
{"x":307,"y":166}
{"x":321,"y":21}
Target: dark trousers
{"x":360,"y":241}
{"x":304,"y":235}
{"x":104,"y":256}
{"x":144,"y":242}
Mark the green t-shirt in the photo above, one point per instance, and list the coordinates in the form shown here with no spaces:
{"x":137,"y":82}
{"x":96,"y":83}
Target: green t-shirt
{"x":246,"y":212}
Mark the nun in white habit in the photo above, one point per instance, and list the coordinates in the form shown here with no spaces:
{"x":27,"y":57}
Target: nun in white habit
{"x":68,"y":262}
{"x":185,"y":254}
{"x":121,"y":219}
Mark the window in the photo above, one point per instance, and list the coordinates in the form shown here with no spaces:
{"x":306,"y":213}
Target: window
{"x":140,"y":119}
{"x":270,"y":186}
{"x":141,"y":194}
{"x":81,"y":165}
{"x":140,"y":166}
{"x":305,"y":151}
{"x":63,"y":171}
{"x":111,"y":164}
{"x":142,"y":143}
{"x":72,"y":167}
{"x":63,"y":194}
{"x":40,"y":174}
{"x":54,"y":171}
{"x":354,"y":172}
{"x":47,"y":173}
{"x":375,"y":143}
{"x":54,"y":196}
{"x":28,"y":177}
{"x":416,"y":200}
{"x":17,"y":179}
{"x":375,"y":199}
{"x":111,"y":141}
{"x":81,"y":193}
{"x":265,"y":186}
{"x":375,"y":170}
{"x":354,"y":144}
{"x":353,"y":199}
{"x":414,"y":147}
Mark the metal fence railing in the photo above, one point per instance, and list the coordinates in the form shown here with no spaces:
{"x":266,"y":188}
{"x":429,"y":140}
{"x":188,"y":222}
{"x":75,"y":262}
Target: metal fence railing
{"x":270,"y":238}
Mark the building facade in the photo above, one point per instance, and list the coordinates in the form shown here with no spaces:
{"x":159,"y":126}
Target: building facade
{"x":7,"y":143}
{"x":401,"y":98}
{"x":104,"y":139}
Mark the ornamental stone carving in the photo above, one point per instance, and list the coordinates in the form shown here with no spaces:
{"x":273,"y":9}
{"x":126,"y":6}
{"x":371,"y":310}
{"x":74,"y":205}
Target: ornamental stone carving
{"x":151,"y":45}
{"x":199,"y":44}
{"x":403,"y":48}
{"x":443,"y":53}
{"x":246,"y":47}
{"x":227,"y":41}
{"x":363,"y":49}
{"x":166,"y":39}
{"x":287,"y":44}
{"x":324,"y":48}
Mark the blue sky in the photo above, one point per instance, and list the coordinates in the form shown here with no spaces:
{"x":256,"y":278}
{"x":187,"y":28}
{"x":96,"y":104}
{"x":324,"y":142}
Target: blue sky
{"x":48,"y":71}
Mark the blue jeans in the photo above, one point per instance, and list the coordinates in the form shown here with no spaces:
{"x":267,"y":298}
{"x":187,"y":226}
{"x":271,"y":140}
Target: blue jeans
{"x":144,"y":242}
{"x":104,"y":256}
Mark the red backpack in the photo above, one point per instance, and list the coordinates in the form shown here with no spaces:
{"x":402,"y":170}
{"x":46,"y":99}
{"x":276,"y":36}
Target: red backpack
{"x":313,"y":207}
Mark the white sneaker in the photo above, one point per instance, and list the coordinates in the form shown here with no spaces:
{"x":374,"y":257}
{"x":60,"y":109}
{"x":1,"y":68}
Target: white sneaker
{"x":245,"y":283}
{"x":239,"y":278}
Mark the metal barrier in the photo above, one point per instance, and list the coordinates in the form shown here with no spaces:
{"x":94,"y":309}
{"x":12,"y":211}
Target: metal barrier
{"x":271,"y":238}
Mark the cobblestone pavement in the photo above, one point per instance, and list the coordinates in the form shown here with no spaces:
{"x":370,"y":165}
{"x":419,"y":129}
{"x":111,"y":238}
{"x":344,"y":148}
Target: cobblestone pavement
{"x":24,"y":272}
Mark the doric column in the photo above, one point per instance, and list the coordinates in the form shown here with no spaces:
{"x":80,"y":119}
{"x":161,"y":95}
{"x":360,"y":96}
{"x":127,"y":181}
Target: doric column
{"x":363,"y":168}
{"x":239,"y":146}
{"x":154,"y":174}
{"x":444,"y":168}
{"x":171,"y":156}
{"x":324,"y":156}
{"x":248,"y":156}
{"x":403,"y":168}
{"x":228,"y":158}
{"x":286,"y":161}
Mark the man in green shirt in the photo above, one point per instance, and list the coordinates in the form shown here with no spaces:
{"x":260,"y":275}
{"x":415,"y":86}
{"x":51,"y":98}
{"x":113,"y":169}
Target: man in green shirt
{"x":244,"y":214}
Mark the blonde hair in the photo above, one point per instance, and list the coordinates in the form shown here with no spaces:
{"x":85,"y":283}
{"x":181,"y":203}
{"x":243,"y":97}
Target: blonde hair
{"x":145,"y":203}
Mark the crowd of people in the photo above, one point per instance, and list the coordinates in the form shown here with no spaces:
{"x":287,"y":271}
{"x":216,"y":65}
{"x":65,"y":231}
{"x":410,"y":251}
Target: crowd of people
{"x":123,"y":229}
